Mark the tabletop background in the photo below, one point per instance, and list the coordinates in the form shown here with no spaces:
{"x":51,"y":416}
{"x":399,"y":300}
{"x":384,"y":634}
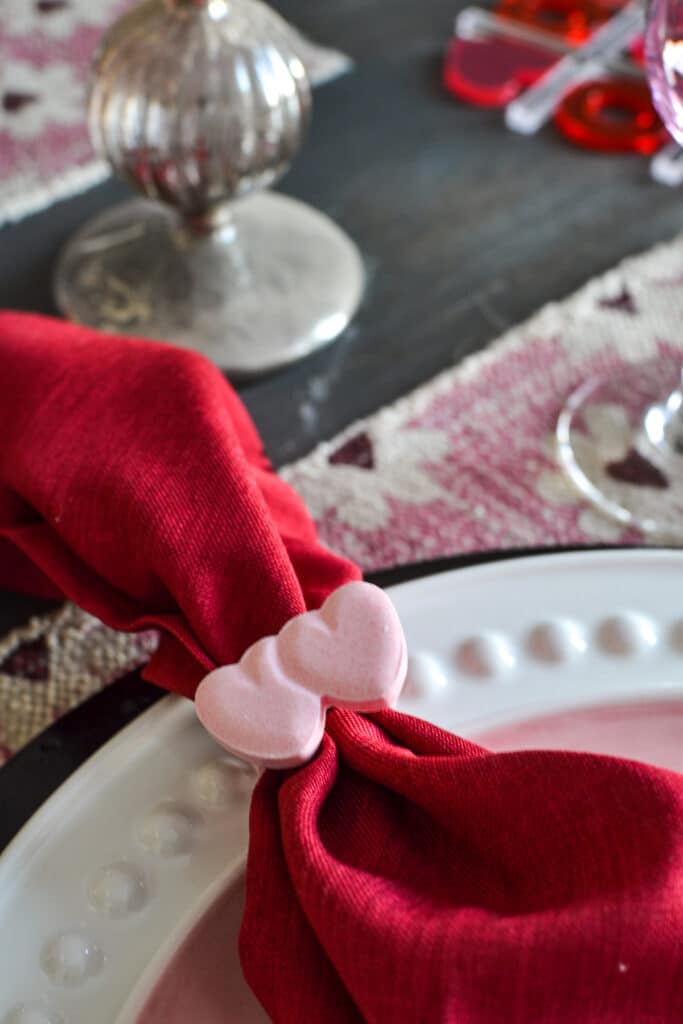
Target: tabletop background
{"x":465,"y":228}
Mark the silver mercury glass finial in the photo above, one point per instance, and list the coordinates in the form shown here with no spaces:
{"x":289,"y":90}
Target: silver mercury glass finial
{"x":199,"y":105}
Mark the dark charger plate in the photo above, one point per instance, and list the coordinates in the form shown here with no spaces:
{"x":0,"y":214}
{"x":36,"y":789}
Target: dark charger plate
{"x":33,"y":774}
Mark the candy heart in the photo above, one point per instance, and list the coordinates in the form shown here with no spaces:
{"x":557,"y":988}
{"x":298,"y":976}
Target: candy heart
{"x":270,"y":708}
{"x":492,"y":72}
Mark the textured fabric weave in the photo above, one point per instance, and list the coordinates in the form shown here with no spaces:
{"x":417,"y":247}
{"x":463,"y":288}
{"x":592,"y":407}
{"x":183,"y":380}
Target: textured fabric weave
{"x":407,"y":875}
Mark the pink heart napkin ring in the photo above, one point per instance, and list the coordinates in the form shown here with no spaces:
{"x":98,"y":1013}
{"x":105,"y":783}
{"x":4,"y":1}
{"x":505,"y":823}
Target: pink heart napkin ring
{"x":270,"y":707}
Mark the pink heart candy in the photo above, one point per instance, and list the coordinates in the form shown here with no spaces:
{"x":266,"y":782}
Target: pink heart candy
{"x":270,"y":708}
{"x":491,"y":72}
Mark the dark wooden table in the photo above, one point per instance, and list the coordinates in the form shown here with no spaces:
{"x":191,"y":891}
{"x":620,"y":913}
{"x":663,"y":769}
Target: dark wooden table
{"x":465,"y":228}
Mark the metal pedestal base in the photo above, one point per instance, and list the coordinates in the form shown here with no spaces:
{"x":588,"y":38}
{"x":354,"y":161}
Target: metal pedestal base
{"x":269,"y":281}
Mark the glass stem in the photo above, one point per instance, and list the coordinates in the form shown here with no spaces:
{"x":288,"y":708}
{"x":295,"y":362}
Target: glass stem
{"x":216,"y":219}
{"x":664,"y":423}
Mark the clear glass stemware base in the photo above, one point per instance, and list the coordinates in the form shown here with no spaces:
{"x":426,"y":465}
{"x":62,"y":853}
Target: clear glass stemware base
{"x":620,"y":439}
{"x":265,"y":282}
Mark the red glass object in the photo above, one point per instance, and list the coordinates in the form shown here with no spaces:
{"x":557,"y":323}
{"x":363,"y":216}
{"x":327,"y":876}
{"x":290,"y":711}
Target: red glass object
{"x":636,"y":51}
{"x":615,"y":116}
{"x":491,"y":72}
{"x":574,"y":20}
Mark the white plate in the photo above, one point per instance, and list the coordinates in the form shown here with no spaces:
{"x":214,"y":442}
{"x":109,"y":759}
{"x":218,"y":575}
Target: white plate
{"x":114,"y":876}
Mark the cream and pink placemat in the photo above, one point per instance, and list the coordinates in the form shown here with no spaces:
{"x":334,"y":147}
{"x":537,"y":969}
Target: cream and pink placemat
{"x":465,"y":463}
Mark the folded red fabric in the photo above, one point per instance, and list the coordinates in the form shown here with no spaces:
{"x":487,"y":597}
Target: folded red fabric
{"x":403,"y":874}
{"x":407,"y":875}
{"x":132,"y":481}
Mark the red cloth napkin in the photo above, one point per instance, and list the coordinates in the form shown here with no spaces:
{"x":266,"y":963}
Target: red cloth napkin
{"x":133,"y":482}
{"x":403,"y":875}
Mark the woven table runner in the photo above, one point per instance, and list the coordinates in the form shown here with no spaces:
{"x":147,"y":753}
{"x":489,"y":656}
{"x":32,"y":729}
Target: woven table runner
{"x":465,"y":463}
{"x":45,"y":51}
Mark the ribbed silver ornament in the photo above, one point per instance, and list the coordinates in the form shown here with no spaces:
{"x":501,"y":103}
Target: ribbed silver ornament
{"x":196,"y":103}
